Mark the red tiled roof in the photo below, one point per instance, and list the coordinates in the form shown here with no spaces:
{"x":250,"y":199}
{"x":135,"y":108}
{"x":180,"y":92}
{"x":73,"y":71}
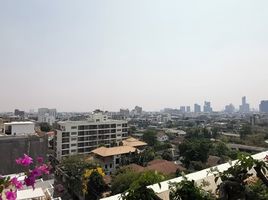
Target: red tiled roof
{"x":164,"y":166}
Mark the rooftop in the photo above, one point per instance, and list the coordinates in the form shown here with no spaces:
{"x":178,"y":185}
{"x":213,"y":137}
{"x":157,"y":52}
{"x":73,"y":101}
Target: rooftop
{"x":105,"y":152}
{"x":133,"y":142}
{"x":19,"y":123}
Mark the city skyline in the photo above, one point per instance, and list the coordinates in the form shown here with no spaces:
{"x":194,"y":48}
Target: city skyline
{"x":182,"y":108}
{"x":112,"y":55}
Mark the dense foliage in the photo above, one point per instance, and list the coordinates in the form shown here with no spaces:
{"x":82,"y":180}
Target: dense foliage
{"x":138,"y":189}
{"x":187,"y":190}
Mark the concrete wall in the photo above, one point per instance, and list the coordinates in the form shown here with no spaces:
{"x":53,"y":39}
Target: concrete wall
{"x":12,"y":147}
{"x":20,"y":129}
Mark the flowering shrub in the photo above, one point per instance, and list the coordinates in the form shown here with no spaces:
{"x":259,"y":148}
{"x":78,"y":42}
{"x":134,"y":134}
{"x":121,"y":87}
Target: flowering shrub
{"x":9,"y":186}
{"x":87,"y":174}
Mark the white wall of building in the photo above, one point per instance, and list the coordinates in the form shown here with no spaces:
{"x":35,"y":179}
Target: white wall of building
{"x":21,"y":128}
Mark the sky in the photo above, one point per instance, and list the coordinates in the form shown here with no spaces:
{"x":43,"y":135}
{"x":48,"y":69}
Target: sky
{"x":112,"y":54}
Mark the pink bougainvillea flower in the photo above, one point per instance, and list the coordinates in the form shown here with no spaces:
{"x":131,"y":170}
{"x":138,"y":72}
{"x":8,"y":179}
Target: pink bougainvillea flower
{"x":40,"y":160}
{"x":24,"y":161}
{"x":30,"y":181}
{"x":44,"y":169}
{"x":10,"y":195}
{"x":14,"y":181}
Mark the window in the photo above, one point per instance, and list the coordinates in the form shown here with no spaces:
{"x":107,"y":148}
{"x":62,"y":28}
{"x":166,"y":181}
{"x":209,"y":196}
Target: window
{"x":92,"y":126}
{"x":73,"y":150}
{"x":73,"y":133}
{"x":65,"y":140}
{"x":118,"y":130}
{"x":118,"y":125}
{"x":73,"y":145}
{"x":81,"y":127}
{"x":73,"y":139}
{"x":65,"y":134}
{"x":74,"y":127}
{"x":80,"y":133}
{"x":64,"y":152}
{"x":105,"y":166}
{"x":111,"y":165}
{"x":113,"y":125}
{"x":80,"y":150}
{"x":65,"y":146}
{"x":117,"y":160}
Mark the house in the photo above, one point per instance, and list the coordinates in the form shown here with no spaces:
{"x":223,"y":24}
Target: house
{"x":111,"y":158}
{"x":161,"y":136}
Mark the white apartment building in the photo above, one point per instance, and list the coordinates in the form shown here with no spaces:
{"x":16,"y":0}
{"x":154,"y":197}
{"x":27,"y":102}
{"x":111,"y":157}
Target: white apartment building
{"x":81,"y":137}
{"x":19,"y":128}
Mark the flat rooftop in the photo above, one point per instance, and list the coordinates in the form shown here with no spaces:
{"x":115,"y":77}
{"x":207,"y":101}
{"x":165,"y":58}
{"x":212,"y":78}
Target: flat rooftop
{"x":19,"y":123}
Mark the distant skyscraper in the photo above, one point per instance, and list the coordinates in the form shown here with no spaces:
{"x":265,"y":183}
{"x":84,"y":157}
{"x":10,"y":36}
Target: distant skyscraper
{"x":47,"y":115}
{"x":229,"y":108}
{"x":19,"y":113}
{"x":188,"y":109}
{"x":197,"y":108}
{"x":207,"y":107}
{"x":264,"y":106}
{"x":244,"y":108}
{"x":138,"y":110}
{"x":182,"y":109}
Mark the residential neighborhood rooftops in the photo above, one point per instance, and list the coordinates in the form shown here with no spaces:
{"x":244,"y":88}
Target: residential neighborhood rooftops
{"x":133,"y":142}
{"x":105,"y":152}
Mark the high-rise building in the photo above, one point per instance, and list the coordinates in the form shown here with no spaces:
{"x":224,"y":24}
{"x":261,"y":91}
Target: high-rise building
{"x":137,"y":110}
{"x":124,"y":112}
{"x":197,"y":108}
{"x":264,"y":106}
{"x":188,"y":109}
{"x":182,"y":109}
{"x":47,"y":115}
{"x":81,"y":137}
{"x":244,"y":108}
{"x":207,"y":107}
{"x":19,"y":113}
{"x":229,"y":108}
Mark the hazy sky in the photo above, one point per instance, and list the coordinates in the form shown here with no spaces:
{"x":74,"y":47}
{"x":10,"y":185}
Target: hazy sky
{"x":82,"y":55}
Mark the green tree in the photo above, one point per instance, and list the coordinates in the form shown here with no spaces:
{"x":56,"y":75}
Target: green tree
{"x":144,"y":157}
{"x":150,"y":137}
{"x":96,"y":186}
{"x":195,"y":150}
{"x":188,"y":190}
{"x":122,"y":181}
{"x":245,"y":130}
{"x":138,"y":189}
{"x":167,"y":155}
{"x":233,"y":185}
{"x":45,"y":127}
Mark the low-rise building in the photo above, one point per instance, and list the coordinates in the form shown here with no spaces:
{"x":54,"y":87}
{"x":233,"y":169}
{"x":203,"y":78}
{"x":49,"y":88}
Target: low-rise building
{"x":161,"y":136}
{"x":111,"y":158}
{"x":19,"y":128}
